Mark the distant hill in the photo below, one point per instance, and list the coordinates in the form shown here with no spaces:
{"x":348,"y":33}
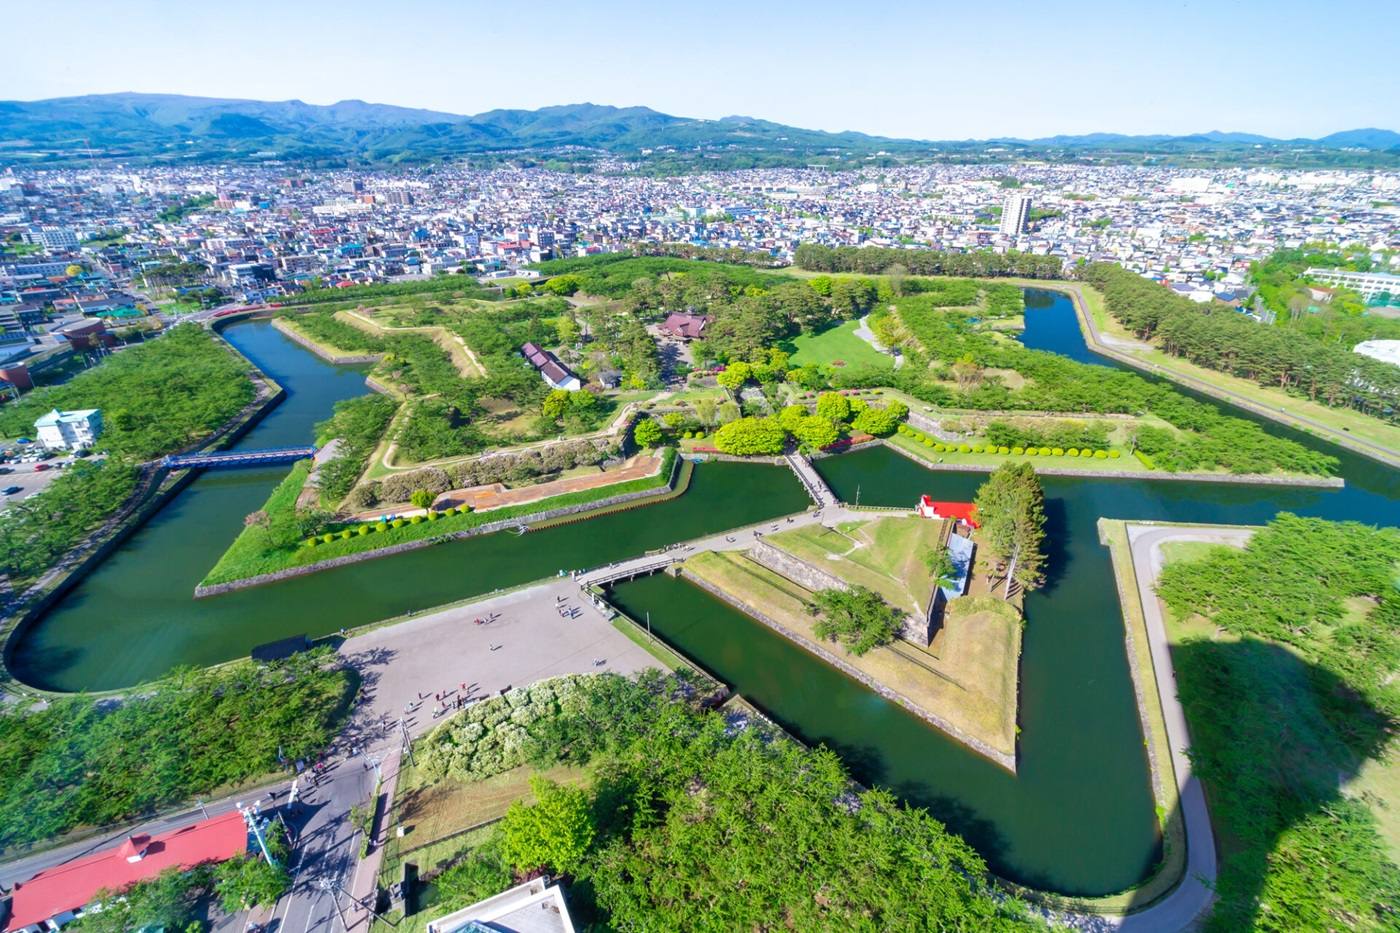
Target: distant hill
{"x":170,"y":127}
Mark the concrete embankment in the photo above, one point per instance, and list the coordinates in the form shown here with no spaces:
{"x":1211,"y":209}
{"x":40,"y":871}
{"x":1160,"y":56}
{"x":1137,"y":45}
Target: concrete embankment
{"x":1238,"y":479}
{"x":551,"y":516}
{"x":340,"y":359}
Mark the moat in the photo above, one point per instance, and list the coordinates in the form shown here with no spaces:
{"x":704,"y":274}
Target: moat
{"x":1078,"y":817}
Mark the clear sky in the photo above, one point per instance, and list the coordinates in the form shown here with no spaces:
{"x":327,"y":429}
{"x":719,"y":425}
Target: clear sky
{"x":931,"y":70}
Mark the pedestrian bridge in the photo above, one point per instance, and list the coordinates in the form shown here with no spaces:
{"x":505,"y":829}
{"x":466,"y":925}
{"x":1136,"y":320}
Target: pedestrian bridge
{"x":238,"y":458}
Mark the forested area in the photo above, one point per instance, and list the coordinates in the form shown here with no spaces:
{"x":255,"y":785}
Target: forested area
{"x":685,"y":810}
{"x":1277,"y":733}
{"x":359,"y":423}
{"x":77,"y":762}
{"x":1011,"y":512}
{"x":1301,"y":359}
{"x":463,"y":285}
{"x":156,"y":397}
{"x":871,"y":260}
{"x":945,"y":347}
{"x":37,"y":531}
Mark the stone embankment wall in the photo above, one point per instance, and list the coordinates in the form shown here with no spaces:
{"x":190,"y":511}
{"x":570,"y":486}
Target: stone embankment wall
{"x":1006,"y":760}
{"x":297,"y":336}
{"x":490,"y":527}
{"x":795,"y":569}
{"x":1243,"y":479}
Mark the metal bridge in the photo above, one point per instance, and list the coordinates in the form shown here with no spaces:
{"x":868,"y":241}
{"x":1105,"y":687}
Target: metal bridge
{"x":238,"y":458}
{"x":626,"y":570}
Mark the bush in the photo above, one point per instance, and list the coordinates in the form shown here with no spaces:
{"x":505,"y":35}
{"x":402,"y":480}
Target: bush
{"x":1072,"y":452}
{"x":964,"y":449}
{"x":346,"y":535}
{"x":312,"y":542}
{"x":328,"y":537}
{"x":396,"y":523}
{"x":928,"y":442}
{"x":364,"y":530}
{"x":434,"y":516}
{"x":381,"y":527}
{"x":1114,"y":454}
{"x":1100,"y":455}
{"x":416,"y":520}
{"x":1018,"y":451}
{"x":977,"y":448}
{"x":1045,"y":451}
{"x":1057,"y":452}
{"x":1003,"y":450}
{"x":1032,"y":451}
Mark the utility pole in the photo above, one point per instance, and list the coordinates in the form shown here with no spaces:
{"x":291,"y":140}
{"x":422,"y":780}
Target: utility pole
{"x":648,"y":623}
{"x":407,"y":742}
{"x":252,"y":817}
{"x":200,"y":804}
{"x":326,"y":884}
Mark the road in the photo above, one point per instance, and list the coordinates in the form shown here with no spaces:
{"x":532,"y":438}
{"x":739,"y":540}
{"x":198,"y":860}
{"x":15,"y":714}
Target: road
{"x":1180,"y":909}
{"x":1101,"y":345}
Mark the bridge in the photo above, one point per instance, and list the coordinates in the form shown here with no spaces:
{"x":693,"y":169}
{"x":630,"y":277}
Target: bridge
{"x":626,"y":570}
{"x":811,"y":480}
{"x":238,"y":458}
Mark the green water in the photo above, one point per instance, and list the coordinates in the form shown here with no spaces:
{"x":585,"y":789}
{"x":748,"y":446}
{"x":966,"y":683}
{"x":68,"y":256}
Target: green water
{"x":1077,"y":817}
{"x":134,"y":618}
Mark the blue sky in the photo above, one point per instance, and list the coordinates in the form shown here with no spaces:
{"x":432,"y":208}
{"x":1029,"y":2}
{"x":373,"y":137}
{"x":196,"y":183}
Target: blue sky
{"x":932,"y":70}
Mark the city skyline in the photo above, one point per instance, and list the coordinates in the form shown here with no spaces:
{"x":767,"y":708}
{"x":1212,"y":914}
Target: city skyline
{"x":908,"y":72}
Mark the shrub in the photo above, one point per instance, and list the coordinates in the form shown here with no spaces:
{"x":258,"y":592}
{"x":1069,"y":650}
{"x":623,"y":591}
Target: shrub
{"x":1114,"y":454}
{"x":1057,"y":452}
{"x":1045,"y":451}
{"x":346,"y":535}
{"x":1100,"y":455}
{"x":964,"y":449}
{"x":364,"y":530}
{"x":1072,"y":452}
{"x":416,"y":520}
{"x":381,"y":527}
{"x":1032,"y":451}
{"x":312,"y":542}
{"x":1018,"y":451}
{"x":434,"y":516}
{"x":977,"y":448}
{"x":397,"y":523}
{"x":928,"y":442}
{"x":328,"y":537}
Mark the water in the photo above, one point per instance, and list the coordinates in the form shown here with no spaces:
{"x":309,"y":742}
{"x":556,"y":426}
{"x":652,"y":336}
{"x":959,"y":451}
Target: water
{"x":135,"y":618}
{"x":1077,"y":817}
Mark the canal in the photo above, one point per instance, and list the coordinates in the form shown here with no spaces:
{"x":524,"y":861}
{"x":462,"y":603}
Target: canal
{"x":1076,"y":818}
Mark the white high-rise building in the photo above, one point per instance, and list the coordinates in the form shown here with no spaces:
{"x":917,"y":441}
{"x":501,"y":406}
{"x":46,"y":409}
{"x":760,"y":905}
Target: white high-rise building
{"x":1015,"y":211}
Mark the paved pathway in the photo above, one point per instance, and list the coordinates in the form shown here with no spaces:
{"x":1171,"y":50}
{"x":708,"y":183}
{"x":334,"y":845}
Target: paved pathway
{"x":864,"y":332}
{"x":1099,"y":343}
{"x":811,"y":480}
{"x":1181,"y":908}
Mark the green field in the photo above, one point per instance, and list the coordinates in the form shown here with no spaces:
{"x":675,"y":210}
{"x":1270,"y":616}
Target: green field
{"x":884,"y":555}
{"x":836,"y":346}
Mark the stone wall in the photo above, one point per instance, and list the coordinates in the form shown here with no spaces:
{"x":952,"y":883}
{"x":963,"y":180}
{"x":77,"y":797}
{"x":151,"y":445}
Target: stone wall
{"x":1007,"y":761}
{"x":798,"y":571}
{"x":490,"y":527}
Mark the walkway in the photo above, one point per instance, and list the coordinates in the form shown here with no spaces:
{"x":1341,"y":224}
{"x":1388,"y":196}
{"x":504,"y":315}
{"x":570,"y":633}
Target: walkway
{"x":1180,"y":909}
{"x":811,"y":480}
{"x":1102,"y":345}
{"x":238,"y":458}
{"x":864,"y":332}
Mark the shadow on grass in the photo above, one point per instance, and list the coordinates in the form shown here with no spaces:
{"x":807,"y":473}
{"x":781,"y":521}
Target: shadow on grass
{"x":1275,"y":739}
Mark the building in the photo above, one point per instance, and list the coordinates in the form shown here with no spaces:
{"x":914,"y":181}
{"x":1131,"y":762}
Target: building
{"x":686,"y":326}
{"x":1387,"y":351}
{"x":58,"y":895}
{"x":58,"y":239}
{"x":69,"y":430}
{"x":550,"y":369}
{"x":89,"y":334}
{"x":533,"y":907}
{"x":1368,"y":284}
{"x":965,"y":512}
{"x":1015,"y":211}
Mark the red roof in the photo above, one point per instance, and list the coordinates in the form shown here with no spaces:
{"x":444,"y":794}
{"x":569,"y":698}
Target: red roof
{"x":74,"y":884}
{"x":962,"y":511}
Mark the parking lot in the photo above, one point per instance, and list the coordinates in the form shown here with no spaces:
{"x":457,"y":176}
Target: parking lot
{"x":27,"y":478}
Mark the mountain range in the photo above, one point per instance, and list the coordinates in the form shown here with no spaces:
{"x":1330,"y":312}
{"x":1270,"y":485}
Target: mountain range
{"x":168,"y":127}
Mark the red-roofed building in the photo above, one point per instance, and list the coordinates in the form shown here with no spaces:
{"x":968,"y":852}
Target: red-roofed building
{"x":957,"y":511}
{"x":56,"y":895}
{"x":686,"y":326}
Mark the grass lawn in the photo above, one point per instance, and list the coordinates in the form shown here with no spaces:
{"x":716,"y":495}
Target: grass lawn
{"x":836,"y":345}
{"x":952,"y":458}
{"x":884,"y":554}
{"x":971,"y":684}
{"x":250,"y":555}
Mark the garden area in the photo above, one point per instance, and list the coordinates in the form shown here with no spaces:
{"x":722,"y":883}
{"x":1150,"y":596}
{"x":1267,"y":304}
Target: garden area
{"x":635,"y":843}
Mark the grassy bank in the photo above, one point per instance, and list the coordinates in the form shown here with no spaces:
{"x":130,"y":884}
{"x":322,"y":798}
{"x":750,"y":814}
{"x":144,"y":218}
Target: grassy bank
{"x":969,"y":683}
{"x":281,"y":543}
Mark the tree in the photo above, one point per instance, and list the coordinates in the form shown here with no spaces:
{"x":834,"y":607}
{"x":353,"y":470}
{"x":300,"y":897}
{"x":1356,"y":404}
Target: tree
{"x":259,"y":519}
{"x":167,"y":900}
{"x":553,"y":833}
{"x":555,"y":404}
{"x":734,"y":376}
{"x":647,"y":433}
{"x":421,"y":498}
{"x":791,"y":416}
{"x":814,"y":432}
{"x":747,"y":437}
{"x":880,"y":422}
{"x":1011,"y":510}
{"x":834,"y":405}
{"x":727,"y":412}
{"x":940,"y":566}
{"x":967,"y":373}
{"x":248,"y":881}
{"x":706,"y":411}
{"x":858,"y":618}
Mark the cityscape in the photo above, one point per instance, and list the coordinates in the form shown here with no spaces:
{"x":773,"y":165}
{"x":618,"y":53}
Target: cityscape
{"x":881,"y":511}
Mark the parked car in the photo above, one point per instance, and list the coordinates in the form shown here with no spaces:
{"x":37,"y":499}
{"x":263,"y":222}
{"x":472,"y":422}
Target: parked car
{"x":41,"y":467}
{"x":11,"y":490}
{"x":4,"y":470}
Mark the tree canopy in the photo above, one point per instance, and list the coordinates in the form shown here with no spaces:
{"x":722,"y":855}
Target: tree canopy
{"x":1011,"y":511}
